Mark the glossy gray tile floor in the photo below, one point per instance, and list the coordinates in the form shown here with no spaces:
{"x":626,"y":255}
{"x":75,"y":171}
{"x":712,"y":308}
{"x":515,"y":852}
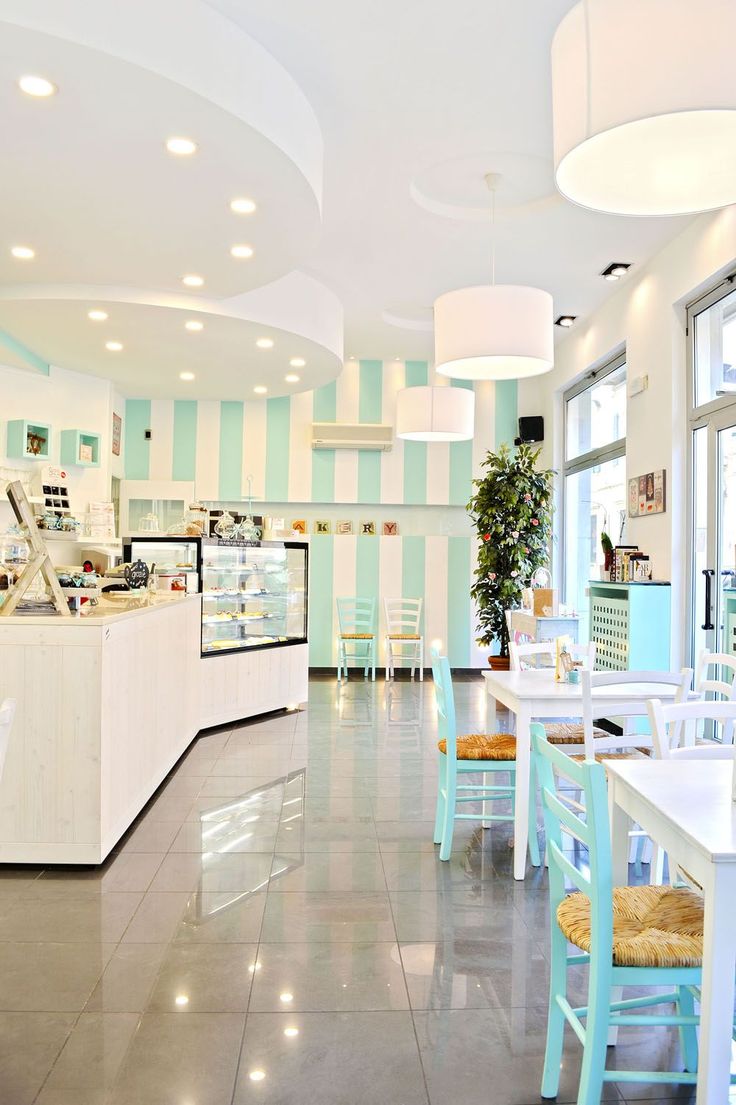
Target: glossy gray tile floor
{"x":276,"y":927}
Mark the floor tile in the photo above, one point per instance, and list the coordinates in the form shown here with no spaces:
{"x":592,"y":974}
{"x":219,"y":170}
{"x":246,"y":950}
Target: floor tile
{"x":175,"y":1059}
{"x":204,"y":978}
{"x":154,"y":836}
{"x":157,"y":917}
{"x":128,"y":979}
{"x":331,"y":1060}
{"x":322,"y":871}
{"x":235,"y":836}
{"x":87,"y":1067}
{"x":469,"y":973}
{"x":431,"y":916}
{"x":29,"y":1046}
{"x":50,"y":977}
{"x":212,"y":872}
{"x":222,"y":917}
{"x":121,"y":872}
{"x":326,"y":834}
{"x":357,"y":976}
{"x":330,"y":916}
{"x":98,"y":920}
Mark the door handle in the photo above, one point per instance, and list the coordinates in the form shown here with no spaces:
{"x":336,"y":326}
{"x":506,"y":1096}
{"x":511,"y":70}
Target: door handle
{"x":709,"y":574}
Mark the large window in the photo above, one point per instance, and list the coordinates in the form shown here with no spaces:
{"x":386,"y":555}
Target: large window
{"x":594,"y":478}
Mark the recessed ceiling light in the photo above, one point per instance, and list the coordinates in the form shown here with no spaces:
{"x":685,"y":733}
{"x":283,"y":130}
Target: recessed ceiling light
{"x":37,"y":86}
{"x":265,"y":343}
{"x":186,"y":375}
{"x":616,"y":270}
{"x":242,"y":206}
{"x":297,"y":362}
{"x":114,"y":346}
{"x":286,"y":998}
{"x":291,"y":1032}
{"x":181,"y":999}
{"x":192,"y":280}
{"x":97,"y":316}
{"x":181,"y":146}
{"x":260,"y":390}
{"x":565,"y":320}
{"x":242,"y":251}
{"x":257,"y":1075}
{"x":23,"y":253}
{"x":193,"y":324}
{"x":291,"y":378}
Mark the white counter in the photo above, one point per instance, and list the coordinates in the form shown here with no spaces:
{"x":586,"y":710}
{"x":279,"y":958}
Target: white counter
{"x":107,"y":703}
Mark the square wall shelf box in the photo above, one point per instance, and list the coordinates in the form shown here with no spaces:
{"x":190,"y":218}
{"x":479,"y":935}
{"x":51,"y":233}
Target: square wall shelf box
{"x":81,"y":448}
{"x":29,"y":440}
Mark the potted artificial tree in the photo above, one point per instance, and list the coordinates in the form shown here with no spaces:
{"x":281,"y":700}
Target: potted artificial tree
{"x":511,"y":509}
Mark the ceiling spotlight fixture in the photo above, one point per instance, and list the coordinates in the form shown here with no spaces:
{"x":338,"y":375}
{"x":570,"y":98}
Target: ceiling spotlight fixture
{"x":630,"y":143}
{"x":186,"y":376}
{"x":493,"y":331}
{"x":241,"y":251}
{"x":37,"y":86}
{"x":23,"y":253}
{"x":565,"y":320}
{"x":182,"y":999}
{"x":260,"y":390}
{"x":291,"y":1032}
{"x":257,"y":1075}
{"x":286,"y":998}
{"x":616,"y":270}
{"x":192,"y":280}
{"x":113,"y":346}
{"x":96,"y":315}
{"x":182,"y":147}
{"x":435,"y":414}
{"x":242,"y":206}
{"x":297,"y":362}
{"x":292,"y":378}
{"x":193,"y":324}
{"x":264,"y":343}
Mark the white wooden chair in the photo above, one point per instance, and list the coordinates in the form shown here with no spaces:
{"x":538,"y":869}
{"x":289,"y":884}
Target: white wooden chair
{"x":644,"y":685}
{"x":7,"y":713}
{"x":404,"y":641}
{"x":712,"y":682}
{"x":526,"y":656}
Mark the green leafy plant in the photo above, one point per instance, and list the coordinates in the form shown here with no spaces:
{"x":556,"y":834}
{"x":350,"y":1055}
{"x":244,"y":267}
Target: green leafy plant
{"x":511,"y":509}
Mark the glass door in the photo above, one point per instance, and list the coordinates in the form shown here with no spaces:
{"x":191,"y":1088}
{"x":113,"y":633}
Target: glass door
{"x":714,"y":517}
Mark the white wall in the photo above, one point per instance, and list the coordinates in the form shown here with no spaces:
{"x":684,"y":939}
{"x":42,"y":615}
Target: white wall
{"x":647,"y":317}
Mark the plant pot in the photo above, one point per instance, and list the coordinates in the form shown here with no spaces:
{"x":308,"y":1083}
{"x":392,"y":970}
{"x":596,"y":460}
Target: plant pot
{"x":498,"y":663}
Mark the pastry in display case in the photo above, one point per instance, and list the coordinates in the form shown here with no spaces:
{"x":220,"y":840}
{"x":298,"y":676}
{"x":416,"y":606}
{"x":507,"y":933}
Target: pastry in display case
{"x":254,"y":595}
{"x":174,"y":561}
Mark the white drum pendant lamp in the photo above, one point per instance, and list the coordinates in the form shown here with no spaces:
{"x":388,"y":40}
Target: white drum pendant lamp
{"x":493,"y":331}
{"x":644,"y":105}
{"x":435,"y":414}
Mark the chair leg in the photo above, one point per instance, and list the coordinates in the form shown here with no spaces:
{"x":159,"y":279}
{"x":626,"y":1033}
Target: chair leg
{"x":555,"y":1018}
{"x":656,"y":871}
{"x":449,"y":820}
{"x":421,"y":661}
{"x":439,"y":817}
{"x":596,"y":1035}
{"x":373,"y":661}
{"x":533,"y":830}
{"x":688,"y":1034}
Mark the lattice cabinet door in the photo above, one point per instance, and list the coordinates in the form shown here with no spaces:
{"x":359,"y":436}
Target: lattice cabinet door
{"x":609,"y":625}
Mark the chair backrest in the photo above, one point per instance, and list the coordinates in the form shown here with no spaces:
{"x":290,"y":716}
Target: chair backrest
{"x":356,"y":615}
{"x":720,"y":682}
{"x":520,"y":654}
{"x":7,"y":713}
{"x":675,"y":727}
{"x":403,"y":615}
{"x":643,"y":686}
{"x":594,"y":876}
{"x":446,"y":725}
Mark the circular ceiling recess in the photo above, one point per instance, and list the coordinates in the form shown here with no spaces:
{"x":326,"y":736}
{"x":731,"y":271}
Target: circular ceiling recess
{"x":177,"y":166}
{"x":409,"y":316}
{"x":457,"y":189}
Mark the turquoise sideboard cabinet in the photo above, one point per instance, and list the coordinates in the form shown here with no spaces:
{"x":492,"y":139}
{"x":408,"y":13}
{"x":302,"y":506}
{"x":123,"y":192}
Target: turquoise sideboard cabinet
{"x":630,"y":624}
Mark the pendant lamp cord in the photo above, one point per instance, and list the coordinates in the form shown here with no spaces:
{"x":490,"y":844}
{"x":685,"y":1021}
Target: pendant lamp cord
{"x":588,"y":68}
{"x":492,"y":183}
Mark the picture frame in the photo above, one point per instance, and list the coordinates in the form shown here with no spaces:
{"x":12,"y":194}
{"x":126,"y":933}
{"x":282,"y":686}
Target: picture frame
{"x":647,"y":494}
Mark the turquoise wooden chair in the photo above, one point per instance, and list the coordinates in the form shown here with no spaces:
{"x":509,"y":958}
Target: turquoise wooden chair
{"x":489,"y":753}
{"x":631,"y":936}
{"x":356,"y":619}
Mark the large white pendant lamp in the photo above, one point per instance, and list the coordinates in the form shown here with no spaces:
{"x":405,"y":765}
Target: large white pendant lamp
{"x":644,"y":105}
{"x":435,"y":414}
{"x":493,"y":331}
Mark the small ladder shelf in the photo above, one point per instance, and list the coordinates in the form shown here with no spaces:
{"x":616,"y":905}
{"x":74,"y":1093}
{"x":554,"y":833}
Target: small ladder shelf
{"x":40,"y":560}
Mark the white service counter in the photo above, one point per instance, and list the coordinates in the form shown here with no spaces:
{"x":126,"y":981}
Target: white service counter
{"x":107,"y":703}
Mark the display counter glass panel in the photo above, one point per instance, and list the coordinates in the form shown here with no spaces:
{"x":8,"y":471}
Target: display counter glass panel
{"x":253,"y":596}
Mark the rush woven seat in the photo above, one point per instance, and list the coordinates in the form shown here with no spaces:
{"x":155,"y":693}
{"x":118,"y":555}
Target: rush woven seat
{"x":404,"y":637}
{"x":569,"y":732}
{"x":601,"y":757}
{"x":483,"y":746}
{"x":357,"y":636}
{"x":653,"y":926}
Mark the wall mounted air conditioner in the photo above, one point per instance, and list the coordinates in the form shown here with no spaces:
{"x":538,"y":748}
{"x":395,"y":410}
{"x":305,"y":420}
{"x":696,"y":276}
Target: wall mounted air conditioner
{"x":354,"y":435}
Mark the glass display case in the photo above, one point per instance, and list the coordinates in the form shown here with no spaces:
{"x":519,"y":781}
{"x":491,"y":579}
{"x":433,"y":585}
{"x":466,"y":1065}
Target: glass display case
{"x":174,"y":560}
{"x":253,"y":595}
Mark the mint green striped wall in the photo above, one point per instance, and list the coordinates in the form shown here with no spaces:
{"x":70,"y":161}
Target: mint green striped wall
{"x":184,"y":460}
{"x":231,"y":450}
{"x":277,"y":448}
{"x":321,"y":554}
{"x":324,"y":409}
{"x":461,"y":462}
{"x":458,"y":601}
{"x":370,"y":403}
{"x":137,"y":448}
{"x":415,"y":452}
{"x":412,"y":567}
{"x":506,"y":407}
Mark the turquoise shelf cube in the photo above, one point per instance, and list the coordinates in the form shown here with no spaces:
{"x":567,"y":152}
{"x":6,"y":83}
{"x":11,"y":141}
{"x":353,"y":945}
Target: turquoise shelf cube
{"x":80,"y":447}
{"x":28,"y":440}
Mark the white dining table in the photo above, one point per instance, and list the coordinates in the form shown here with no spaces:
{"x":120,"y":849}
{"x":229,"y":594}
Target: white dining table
{"x":535,"y":694}
{"x":687,"y":807}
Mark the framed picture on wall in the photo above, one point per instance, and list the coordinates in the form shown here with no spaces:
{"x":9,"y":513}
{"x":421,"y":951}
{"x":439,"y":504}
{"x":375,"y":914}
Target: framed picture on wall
{"x":647,"y":494}
{"x":117,"y":433}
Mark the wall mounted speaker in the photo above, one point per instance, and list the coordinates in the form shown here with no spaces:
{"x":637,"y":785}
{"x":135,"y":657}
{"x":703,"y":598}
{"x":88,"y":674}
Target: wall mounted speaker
{"x":531,"y":429}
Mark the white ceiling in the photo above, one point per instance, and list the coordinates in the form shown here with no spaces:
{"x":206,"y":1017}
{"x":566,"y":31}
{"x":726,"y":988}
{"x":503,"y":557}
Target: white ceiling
{"x":401,"y":88}
{"x":410,"y":103}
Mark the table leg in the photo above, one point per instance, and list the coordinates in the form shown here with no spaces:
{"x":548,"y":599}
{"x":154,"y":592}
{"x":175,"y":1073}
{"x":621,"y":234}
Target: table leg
{"x":521,"y":805}
{"x":716,"y":1007}
{"x":491,"y":719}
